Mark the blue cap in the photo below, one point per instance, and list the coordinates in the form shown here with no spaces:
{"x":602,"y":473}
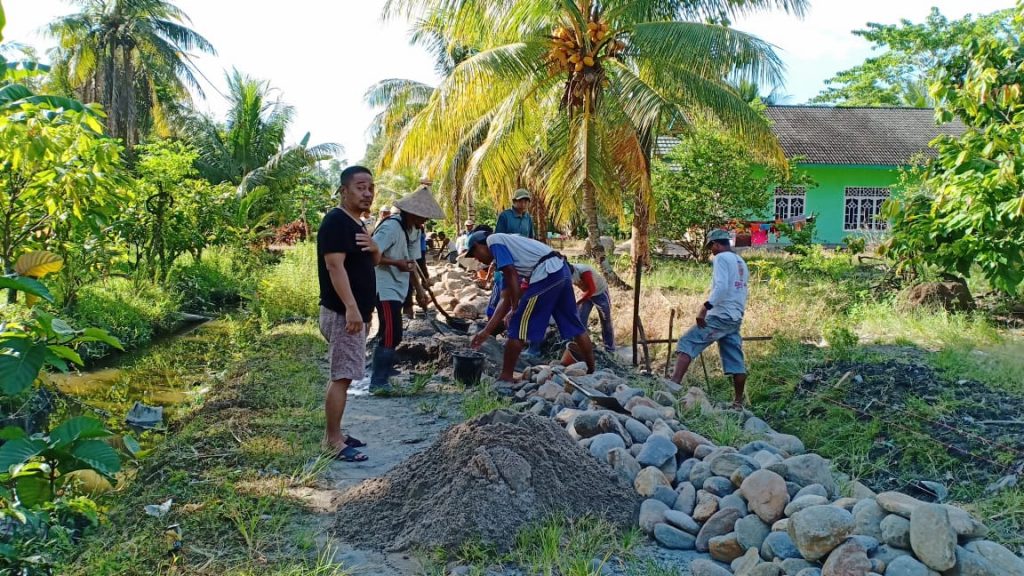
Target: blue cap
{"x":478,"y":237}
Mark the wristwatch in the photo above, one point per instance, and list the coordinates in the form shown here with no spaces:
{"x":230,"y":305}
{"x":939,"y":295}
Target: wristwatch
{"x":708,"y":306}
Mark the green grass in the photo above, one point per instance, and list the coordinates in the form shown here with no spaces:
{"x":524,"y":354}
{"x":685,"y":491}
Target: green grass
{"x":230,"y":467}
{"x":481,"y":400}
{"x":289,"y":290}
{"x":555,"y":546}
{"x":134,"y":312}
{"x":223,"y":278}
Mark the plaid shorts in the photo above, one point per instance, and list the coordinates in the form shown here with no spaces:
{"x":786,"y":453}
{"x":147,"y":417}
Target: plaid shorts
{"x":346,"y":352}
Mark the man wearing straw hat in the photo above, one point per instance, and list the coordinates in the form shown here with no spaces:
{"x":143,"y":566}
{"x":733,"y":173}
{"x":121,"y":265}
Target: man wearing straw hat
{"x":398,"y":237}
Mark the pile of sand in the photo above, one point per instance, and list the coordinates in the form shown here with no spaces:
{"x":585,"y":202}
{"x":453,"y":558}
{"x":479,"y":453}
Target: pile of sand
{"x":483,"y":480}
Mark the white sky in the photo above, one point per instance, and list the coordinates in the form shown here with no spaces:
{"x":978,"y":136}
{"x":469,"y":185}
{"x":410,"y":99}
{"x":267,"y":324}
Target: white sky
{"x":324,"y":54}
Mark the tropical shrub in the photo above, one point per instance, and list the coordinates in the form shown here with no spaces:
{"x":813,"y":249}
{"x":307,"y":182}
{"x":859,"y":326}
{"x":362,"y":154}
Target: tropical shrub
{"x":175,"y":211}
{"x":134,"y":312}
{"x":707,"y":180}
{"x":801,"y":240}
{"x":855,"y":245}
{"x":57,"y":173}
{"x":290,"y":289}
{"x":223,"y":278}
{"x":38,"y":473}
{"x":965,"y":208}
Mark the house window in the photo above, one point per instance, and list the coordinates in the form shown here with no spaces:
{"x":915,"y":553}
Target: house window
{"x":863,"y":205}
{"x":790,"y":202}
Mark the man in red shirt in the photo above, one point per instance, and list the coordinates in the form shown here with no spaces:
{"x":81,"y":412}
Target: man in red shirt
{"x":595,"y":293}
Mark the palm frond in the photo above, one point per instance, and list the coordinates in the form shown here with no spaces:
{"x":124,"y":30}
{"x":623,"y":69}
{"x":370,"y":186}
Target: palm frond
{"x":708,"y":50}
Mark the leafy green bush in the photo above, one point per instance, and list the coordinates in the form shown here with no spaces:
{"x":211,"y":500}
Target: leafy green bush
{"x":290,"y":289}
{"x":855,"y":245}
{"x":223,"y":278}
{"x":841,"y":340}
{"x":800,"y":240}
{"x":132,"y":312}
{"x":39,"y":473}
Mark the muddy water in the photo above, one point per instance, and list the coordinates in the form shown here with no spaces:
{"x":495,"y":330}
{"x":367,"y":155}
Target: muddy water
{"x":145,"y":375}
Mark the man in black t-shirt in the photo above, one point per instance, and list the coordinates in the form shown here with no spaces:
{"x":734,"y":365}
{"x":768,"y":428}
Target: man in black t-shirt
{"x":346,"y":256}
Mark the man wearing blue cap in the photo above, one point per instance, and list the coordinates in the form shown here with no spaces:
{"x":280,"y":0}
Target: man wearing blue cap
{"x":526,"y":313}
{"x":720,"y":317}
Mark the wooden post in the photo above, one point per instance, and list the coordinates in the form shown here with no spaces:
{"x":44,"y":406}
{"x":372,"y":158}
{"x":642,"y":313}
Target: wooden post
{"x":668,"y":352}
{"x":638,"y":275}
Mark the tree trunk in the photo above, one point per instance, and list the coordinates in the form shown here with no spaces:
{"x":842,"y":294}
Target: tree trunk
{"x":108,"y":86}
{"x":640,"y":241}
{"x":131,"y":128}
{"x":539,"y":209}
{"x":589,"y":195}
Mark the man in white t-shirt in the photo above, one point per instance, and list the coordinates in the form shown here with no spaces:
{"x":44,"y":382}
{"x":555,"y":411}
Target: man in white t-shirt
{"x":720,"y":317}
{"x":549,"y":295}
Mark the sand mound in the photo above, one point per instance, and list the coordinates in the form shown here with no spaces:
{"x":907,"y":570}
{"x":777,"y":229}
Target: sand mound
{"x":483,"y":479}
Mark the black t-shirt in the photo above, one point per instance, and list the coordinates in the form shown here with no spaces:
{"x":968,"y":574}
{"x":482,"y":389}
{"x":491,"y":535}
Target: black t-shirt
{"x":338,"y":234}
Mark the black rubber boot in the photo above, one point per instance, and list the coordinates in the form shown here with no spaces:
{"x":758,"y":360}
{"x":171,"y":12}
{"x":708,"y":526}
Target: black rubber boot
{"x":382,"y":370}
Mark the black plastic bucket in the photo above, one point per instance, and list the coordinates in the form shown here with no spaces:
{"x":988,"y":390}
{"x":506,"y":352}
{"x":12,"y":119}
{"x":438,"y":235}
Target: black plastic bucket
{"x":468,"y":366}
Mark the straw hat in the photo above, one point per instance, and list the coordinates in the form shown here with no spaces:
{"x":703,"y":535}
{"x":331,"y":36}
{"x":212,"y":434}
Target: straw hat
{"x":421,"y":203}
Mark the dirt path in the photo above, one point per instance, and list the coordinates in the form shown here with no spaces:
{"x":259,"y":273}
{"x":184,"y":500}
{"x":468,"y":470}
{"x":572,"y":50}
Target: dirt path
{"x":394,"y":429}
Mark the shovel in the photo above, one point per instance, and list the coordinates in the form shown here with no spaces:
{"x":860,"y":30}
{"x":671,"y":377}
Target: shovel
{"x":602,"y":400}
{"x":457,"y":323}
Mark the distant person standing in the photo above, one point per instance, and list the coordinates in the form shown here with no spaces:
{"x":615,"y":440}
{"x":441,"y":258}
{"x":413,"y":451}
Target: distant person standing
{"x":517,"y":219}
{"x":462,"y":240}
{"x":346,"y":256}
{"x":720,"y":317}
{"x":595,"y":294}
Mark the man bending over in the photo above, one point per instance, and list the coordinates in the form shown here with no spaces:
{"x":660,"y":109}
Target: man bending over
{"x":526,"y":313}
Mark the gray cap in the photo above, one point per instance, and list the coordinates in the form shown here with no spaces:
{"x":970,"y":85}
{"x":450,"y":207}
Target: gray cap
{"x":719,"y":234}
{"x":521,"y":194}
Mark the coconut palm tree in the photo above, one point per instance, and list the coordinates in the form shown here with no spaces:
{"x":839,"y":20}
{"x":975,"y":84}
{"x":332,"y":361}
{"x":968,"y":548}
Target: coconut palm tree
{"x":588,"y":84}
{"x":249,"y":149}
{"x":751,"y":92}
{"x":131,"y":56}
{"x":399,"y":100}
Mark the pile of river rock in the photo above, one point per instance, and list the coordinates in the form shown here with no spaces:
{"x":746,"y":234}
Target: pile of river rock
{"x":767,"y":508}
{"x":458,"y":292}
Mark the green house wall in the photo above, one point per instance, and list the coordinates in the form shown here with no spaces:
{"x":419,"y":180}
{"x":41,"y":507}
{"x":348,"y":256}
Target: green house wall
{"x":826,"y":201}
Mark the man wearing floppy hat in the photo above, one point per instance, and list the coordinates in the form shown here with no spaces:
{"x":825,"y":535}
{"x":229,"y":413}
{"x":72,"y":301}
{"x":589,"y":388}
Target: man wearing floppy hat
{"x":549,"y":294}
{"x":398,"y":237}
{"x":720,"y":317}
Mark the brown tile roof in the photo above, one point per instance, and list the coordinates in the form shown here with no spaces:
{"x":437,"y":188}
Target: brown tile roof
{"x":835,"y":135}
{"x":850,"y":135}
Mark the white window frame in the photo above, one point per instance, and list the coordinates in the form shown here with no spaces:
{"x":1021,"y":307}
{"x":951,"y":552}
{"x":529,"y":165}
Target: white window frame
{"x":788,"y":197}
{"x":864,"y":205}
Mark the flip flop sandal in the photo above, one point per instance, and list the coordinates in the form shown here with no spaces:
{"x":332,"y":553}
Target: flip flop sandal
{"x":354,"y":442}
{"x":350,"y":454}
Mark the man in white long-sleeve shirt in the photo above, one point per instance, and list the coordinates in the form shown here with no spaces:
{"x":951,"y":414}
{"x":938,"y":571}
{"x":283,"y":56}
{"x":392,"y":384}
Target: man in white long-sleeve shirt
{"x":720,"y":317}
